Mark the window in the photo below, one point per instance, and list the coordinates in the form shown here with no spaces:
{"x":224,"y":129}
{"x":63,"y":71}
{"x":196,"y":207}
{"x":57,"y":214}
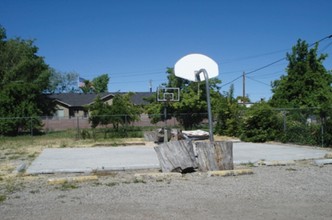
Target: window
{"x":60,"y":113}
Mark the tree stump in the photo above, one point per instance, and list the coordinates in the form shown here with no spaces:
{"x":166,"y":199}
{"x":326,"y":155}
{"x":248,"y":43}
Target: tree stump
{"x":176,"y":156}
{"x":214,"y":156}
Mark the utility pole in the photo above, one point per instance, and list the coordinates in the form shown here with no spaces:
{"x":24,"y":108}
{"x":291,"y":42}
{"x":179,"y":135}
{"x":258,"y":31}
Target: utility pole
{"x":150,"y":85}
{"x":243,"y":87}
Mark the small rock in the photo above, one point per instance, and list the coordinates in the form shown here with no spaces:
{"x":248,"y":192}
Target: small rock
{"x":323,"y":162}
{"x":21,"y":168}
{"x":328,"y":156}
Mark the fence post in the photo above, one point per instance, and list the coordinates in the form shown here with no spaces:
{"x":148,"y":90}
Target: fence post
{"x":31,"y":130}
{"x":322,"y":130}
{"x":284,"y":120}
{"x":126,"y":125}
{"x":78,"y":127}
{"x":46,"y":127}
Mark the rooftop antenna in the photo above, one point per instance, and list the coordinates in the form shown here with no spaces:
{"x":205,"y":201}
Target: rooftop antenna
{"x":196,"y":68}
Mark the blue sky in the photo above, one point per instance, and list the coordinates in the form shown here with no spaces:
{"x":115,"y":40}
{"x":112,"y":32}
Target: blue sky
{"x":134,"y":41}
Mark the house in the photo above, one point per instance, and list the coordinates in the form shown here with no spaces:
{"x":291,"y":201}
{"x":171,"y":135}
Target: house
{"x":70,"y":105}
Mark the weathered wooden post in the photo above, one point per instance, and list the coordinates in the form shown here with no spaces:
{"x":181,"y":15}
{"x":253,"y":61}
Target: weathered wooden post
{"x":184,"y":155}
{"x":214,"y":155}
{"x":176,"y":156}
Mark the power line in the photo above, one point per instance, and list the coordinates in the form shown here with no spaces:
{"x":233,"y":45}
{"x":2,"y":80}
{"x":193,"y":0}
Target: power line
{"x":274,"y":62}
{"x":254,"y":56}
{"x":263,"y":67}
{"x":127,"y":82}
{"x":327,"y":46}
{"x":142,"y":71}
{"x":258,"y":81}
{"x":324,"y":38}
{"x":277,"y":61}
{"x":266,"y":75}
{"x":232,"y":81}
{"x":129,"y":74}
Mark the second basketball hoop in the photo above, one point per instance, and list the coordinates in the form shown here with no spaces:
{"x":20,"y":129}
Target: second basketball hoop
{"x":168,"y":94}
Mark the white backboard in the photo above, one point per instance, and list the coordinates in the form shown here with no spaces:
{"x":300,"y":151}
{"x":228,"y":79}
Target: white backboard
{"x":189,"y":65}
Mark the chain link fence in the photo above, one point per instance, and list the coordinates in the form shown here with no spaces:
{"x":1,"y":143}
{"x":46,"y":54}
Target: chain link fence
{"x":299,"y":126}
{"x":311,"y":126}
{"x":78,"y":126}
{"x":59,"y":124}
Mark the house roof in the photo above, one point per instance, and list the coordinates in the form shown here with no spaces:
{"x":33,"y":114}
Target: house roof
{"x":78,"y":99}
{"x":138,"y":98}
{"x":81,"y":99}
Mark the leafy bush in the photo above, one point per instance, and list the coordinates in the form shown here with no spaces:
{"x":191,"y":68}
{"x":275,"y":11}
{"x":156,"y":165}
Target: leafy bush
{"x":260,"y":123}
{"x":228,"y":113}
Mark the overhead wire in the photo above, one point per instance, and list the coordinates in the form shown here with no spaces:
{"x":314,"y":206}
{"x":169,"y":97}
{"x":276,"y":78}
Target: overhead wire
{"x":254,"y":56}
{"x":159,"y":71}
{"x":126,"y":82}
{"x":327,"y":46}
{"x":258,"y":81}
{"x":274,"y":62}
{"x":142,"y":74}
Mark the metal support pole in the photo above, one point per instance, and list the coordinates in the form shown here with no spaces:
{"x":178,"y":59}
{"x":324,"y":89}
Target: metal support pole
{"x":284,"y":121}
{"x":165,"y":118}
{"x":78,"y":127}
{"x":243,"y":88}
{"x":31,"y":127}
{"x":207,"y":87}
{"x":322,"y":130}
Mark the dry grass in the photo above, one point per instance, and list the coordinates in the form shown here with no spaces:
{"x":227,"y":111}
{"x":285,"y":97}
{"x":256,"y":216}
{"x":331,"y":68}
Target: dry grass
{"x":22,"y":150}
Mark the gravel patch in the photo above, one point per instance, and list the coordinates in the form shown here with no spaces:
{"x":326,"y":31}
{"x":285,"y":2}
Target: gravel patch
{"x":301,"y":191}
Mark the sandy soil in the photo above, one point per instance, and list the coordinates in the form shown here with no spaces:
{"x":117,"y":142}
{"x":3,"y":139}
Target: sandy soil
{"x":302,"y":191}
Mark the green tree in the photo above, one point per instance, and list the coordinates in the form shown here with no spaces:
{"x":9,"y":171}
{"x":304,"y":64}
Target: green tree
{"x":99,"y":113}
{"x":123,"y":111}
{"x":23,"y":77}
{"x":155,"y":110}
{"x":174,"y":81}
{"x":97,"y":85}
{"x":62,"y":82}
{"x":87,"y":87}
{"x":228,"y":113}
{"x":307,"y":83}
{"x":306,"y":86}
{"x":191,"y":110}
{"x":100,"y":83}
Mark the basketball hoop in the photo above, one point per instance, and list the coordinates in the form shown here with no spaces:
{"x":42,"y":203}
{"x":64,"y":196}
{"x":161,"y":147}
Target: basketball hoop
{"x":198,"y":67}
{"x":168,"y":94}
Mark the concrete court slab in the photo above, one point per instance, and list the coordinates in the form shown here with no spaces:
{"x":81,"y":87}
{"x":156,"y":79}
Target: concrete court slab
{"x":62,"y":160}
{"x":255,"y":152}
{"x":85,"y":160}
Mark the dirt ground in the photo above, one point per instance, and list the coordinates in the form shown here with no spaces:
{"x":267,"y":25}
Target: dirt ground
{"x":301,"y":191}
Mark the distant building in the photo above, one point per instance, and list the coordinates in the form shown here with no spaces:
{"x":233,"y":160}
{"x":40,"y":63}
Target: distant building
{"x":73,"y":104}
{"x":246,"y":104}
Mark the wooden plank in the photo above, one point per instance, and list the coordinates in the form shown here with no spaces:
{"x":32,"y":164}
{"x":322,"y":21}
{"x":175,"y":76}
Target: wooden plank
{"x":176,"y":156}
{"x":150,"y":136}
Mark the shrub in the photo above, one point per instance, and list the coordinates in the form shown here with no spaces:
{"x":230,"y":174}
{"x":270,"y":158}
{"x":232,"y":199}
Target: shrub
{"x":260,"y":123}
